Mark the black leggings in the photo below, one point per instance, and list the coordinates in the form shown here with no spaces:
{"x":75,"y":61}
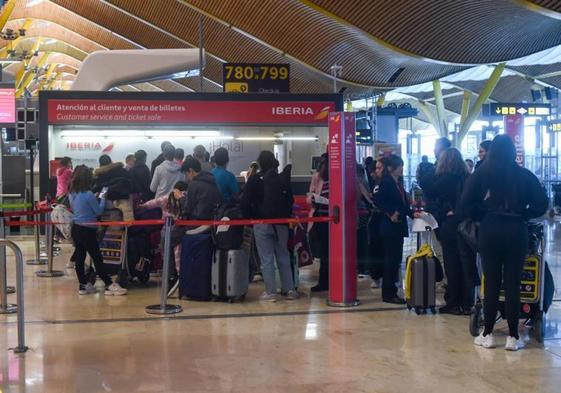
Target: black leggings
{"x":460,"y":265}
{"x":85,"y":242}
{"x":503,"y":243}
{"x":393,"y":255}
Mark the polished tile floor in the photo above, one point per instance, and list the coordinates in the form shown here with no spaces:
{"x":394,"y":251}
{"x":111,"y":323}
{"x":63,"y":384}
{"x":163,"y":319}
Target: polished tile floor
{"x":99,"y":344}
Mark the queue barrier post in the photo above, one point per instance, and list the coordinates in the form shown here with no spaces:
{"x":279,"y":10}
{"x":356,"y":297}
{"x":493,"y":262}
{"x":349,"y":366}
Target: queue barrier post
{"x":164,"y":308}
{"x":38,"y":259}
{"x":21,"y":348}
{"x":50,"y":240}
{"x":5,"y":307}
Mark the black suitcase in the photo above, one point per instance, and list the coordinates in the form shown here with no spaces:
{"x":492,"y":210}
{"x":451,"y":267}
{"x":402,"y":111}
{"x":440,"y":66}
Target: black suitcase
{"x":195,"y":274}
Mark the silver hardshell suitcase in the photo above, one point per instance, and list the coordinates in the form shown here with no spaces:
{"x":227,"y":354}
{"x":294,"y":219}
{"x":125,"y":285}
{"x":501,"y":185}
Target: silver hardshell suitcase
{"x":230,"y":275}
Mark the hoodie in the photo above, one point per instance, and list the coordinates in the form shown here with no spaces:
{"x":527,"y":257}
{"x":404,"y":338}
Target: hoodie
{"x":116,"y":178}
{"x":203,"y":197}
{"x":63,"y":177}
{"x":165,"y":176}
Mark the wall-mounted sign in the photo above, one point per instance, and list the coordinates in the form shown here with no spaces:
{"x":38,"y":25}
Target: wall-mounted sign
{"x":509,"y":109}
{"x":89,"y":111}
{"x":7,"y":105}
{"x":256,"y":78}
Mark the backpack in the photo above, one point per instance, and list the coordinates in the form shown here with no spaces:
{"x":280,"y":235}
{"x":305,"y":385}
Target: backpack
{"x":277,"y":194}
{"x":63,"y":218}
{"x":227,"y":237}
{"x":119,"y":188}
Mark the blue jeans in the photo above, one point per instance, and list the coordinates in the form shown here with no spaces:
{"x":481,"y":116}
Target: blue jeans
{"x":271,"y":241}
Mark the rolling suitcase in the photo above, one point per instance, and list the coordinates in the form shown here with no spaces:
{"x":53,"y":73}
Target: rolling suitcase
{"x":230,"y":275}
{"x":196,"y":267}
{"x":420,"y":279}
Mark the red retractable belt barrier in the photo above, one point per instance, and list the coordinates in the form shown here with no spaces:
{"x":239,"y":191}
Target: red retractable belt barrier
{"x":272,"y":221}
{"x":24,"y":213}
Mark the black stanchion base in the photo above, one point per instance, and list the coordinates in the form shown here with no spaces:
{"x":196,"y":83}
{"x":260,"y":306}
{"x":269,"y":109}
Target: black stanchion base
{"x":23,"y":349}
{"x":168,"y":309}
{"x":9,"y":309}
{"x":354,"y":303}
{"x":10,"y":290}
{"x":39,"y":261}
{"x":47,"y":273}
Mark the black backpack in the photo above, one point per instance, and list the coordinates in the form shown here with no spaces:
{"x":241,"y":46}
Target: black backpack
{"x":228,"y":237}
{"x":277,"y":195}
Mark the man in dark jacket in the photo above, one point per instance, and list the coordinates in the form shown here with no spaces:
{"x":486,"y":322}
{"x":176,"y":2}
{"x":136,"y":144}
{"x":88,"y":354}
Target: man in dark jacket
{"x":159,"y":159}
{"x":116,"y":178}
{"x":203,"y":195}
{"x":140,"y":174}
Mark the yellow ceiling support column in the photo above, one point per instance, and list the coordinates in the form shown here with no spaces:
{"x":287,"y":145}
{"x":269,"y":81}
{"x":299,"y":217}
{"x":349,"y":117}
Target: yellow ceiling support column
{"x":483,"y":96}
{"x":46,"y":80}
{"x":380,"y":101}
{"x":13,"y":44}
{"x":6,"y":13}
{"x":51,"y":84}
{"x":30,"y":75}
{"x":440,"y":111}
{"x":465,"y":106}
{"x":21,"y":70}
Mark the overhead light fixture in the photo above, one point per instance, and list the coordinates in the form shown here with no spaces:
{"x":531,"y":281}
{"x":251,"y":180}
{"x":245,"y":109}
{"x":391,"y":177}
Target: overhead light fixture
{"x":181,"y":133}
{"x":50,"y":41}
{"x":32,"y":3}
{"x":10,"y":61}
{"x":277,"y":138}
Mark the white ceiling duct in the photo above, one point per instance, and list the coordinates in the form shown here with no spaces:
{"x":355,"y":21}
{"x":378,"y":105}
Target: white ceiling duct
{"x":104,"y":70}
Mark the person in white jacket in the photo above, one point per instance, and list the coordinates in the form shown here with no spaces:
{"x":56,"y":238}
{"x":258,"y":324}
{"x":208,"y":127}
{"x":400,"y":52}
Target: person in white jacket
{"x":166,"y":174}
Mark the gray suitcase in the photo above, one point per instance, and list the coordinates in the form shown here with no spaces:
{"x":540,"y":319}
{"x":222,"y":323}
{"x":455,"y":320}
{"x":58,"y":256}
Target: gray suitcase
{"x":230,"y":275}
{"x":423,"y":285}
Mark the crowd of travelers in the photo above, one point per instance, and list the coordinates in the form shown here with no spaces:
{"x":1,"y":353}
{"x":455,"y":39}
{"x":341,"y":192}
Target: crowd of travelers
{"x":494,"y":192}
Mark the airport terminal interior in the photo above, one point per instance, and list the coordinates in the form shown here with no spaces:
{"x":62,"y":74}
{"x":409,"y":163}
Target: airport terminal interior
{"x":280,"y":196}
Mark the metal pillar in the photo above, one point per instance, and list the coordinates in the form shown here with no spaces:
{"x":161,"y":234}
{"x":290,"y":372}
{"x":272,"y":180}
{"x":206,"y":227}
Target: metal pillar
{"x":50,"y":238}
{"x":440,"y":111}
{"x":5,"y":307}
{"x":423,"y":106}
{"x":201,"y":49}
{"x":483,"y":96}
{"x":163,"y":308}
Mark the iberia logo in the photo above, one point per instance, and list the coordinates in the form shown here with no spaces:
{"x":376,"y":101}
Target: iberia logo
{"x":89,"y":146}
{"x":323,"y":113}
{"x":109,"y":148}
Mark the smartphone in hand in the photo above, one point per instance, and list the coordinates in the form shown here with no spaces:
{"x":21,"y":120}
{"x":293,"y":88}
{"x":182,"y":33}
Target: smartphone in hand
{"x":103,"y":192}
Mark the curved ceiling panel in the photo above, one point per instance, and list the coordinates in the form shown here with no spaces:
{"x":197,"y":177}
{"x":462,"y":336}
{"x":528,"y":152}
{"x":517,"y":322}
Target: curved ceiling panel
{"x":553,"y":5}
{"x":319,"y":41}
{"x":463,"y":32}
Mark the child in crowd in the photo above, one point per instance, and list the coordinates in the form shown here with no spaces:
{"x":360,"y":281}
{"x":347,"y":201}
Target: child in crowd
{"x":63,"y":176}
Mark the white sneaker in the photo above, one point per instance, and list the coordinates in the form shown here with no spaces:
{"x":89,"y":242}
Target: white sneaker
{"x":376,"y":283}
{"x":513,"y":344}
{"x":268,"y":297}
{"x":87,"y":289}
{"x":292,"y":295}
{"x":115,"y":290}
{"x":487,"y":341}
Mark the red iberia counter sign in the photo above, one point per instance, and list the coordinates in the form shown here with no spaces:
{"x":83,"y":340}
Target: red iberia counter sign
{"x":90,"y":111}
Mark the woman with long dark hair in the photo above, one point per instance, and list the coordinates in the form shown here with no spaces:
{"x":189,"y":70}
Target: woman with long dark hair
{"x":445,"y":188}
{"x":85,"y":210}
{"x":507,"y":196}
{"x":392,"y":201}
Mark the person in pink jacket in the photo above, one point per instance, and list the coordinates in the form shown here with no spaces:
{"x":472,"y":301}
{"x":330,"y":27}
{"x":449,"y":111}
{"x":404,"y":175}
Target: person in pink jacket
{"x":171,"y":205}
{"x":63,"y":176}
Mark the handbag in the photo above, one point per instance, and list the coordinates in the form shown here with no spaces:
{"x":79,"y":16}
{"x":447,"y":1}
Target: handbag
{"x":469,"y":231}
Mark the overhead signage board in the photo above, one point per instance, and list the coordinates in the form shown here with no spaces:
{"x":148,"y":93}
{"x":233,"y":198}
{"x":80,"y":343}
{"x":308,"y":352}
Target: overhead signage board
{"x":520,"y":108}
{"x":7,"y":105}
{"x":92,"y":111}
{"x":256,"y":78}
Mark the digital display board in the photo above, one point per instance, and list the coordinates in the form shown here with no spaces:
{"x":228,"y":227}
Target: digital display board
{"x":256,"y":78}
{"x":7,"y":105}
{"x":555,"y":125}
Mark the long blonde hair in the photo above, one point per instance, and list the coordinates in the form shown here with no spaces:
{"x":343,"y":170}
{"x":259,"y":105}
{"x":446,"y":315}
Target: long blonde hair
{"x":451,"y":162}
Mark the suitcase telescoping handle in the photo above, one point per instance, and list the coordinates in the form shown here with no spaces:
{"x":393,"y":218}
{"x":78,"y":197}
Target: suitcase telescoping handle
{"x":427,"y":229}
